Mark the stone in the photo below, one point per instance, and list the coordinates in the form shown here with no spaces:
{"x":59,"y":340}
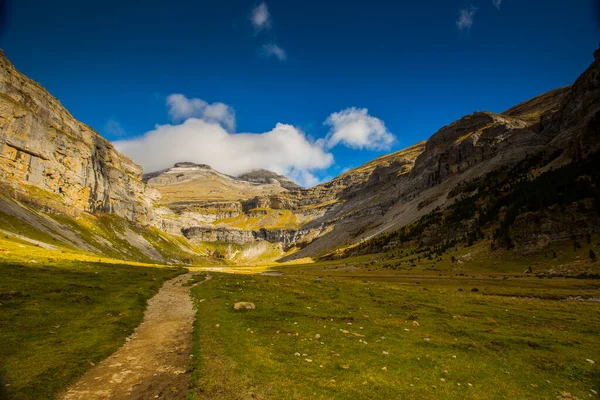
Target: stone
{"x":243,"y":305}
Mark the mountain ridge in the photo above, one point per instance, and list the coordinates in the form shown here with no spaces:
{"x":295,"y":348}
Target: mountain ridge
{"x":57,"y":164}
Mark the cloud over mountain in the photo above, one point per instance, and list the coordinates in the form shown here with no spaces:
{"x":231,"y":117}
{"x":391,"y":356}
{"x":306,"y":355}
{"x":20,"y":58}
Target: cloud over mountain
{"x":202,"y":132}
{"x":355,"y":128}
{"x":203,"y":138}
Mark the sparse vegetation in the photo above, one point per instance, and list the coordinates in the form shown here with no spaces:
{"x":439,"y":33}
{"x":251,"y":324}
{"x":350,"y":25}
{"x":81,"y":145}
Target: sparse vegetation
{"x":359,"y":338}
{"x":494,"y":202}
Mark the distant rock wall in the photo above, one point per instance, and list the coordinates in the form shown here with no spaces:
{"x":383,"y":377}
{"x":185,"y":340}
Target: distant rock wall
{"x":42,"y":146}
{"x":287,"y":237}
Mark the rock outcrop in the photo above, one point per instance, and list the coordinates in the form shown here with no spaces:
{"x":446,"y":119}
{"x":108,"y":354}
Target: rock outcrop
{"x":264,"y":176}
{"x":286,"y":237}
{"x":51,"y":160}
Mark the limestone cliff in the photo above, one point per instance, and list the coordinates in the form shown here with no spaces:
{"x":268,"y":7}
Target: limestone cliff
{"x":51,"y":160}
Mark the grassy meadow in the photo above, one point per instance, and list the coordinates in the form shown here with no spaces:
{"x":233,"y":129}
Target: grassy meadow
{"x":468,"y":324}
{"x":453,"y":337}
{"x":62,"y":312}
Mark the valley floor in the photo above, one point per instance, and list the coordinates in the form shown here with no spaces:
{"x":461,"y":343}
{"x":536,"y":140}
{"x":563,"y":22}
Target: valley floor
{"x":319,"y":331}
{"x":401,"y":337}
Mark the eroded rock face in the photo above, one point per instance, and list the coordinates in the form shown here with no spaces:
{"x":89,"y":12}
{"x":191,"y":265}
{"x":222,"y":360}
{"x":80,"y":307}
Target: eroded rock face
{"x":43,"y":147}
{"x":264,"y":176}
{"x":286,"y":237}
{"x":536,"y":230}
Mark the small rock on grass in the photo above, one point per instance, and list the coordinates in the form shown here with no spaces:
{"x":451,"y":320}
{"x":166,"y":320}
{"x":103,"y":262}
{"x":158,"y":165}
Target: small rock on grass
{"x":244,"y":305}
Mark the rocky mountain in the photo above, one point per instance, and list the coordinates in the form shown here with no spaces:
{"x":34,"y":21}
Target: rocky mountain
{"x":398,"y":190}
{"x":540,"y":186}
{"x":62,"y":183}
{"x":42,"y":147}
{"x":265,"y":177}
{"x":189,"y":182}
{"x":470,"y":177}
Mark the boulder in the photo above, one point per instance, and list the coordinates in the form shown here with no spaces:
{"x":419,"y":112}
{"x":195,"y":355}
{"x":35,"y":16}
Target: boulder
{"x":243,"y":305}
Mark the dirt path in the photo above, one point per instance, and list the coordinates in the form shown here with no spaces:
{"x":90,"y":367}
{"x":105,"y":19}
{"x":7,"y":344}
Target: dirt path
{"x":153,"y":364}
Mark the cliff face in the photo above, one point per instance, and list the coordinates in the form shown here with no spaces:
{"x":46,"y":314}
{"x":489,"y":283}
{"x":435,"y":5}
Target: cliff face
{"x":50,"y":160}
{"x":263,"y":176}
{"x":43,"y":147}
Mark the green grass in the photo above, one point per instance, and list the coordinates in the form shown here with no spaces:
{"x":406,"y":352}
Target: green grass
{"x":558,"y":258}
{"x":468,"y":345}
{"x":58,"y":318}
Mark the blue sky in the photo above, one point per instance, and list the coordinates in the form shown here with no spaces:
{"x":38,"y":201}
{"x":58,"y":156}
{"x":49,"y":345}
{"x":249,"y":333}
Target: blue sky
{"x":299,"y":75}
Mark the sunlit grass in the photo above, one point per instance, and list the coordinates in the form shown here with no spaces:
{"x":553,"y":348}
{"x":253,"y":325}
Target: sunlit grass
{"x":442,"y":339}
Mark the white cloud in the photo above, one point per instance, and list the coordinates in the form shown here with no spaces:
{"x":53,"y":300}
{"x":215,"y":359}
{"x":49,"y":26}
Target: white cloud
{"x":355,"y":128}
{"x":497,"y":3}
{"x":285,"y":149}
{"x":181,"y":108}
{"x":272,"y":50}
{"x":465,"y":18}
{"x":260,"y":17}
{"x":113,"y":127}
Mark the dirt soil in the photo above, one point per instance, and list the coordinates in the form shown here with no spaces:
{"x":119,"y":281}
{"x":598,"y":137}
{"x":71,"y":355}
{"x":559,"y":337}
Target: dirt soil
{"x":153,"y":364}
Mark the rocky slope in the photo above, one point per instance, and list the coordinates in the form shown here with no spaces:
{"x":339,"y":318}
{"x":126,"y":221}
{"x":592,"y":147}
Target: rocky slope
{"x":537,"y":181}
{"x":392,"y":191}
{"x":210,"y":207}
{"x":189,"y":182}
{"x":62,"y":183}
{"x":397,"y":190}
{"x":444,"y":188}
{"x":264,"y":176}
{"x":43,"y":147}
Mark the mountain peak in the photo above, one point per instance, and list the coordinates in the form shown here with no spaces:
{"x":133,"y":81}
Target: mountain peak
{"x":188,"y":164}
{"x":265,"y":176}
